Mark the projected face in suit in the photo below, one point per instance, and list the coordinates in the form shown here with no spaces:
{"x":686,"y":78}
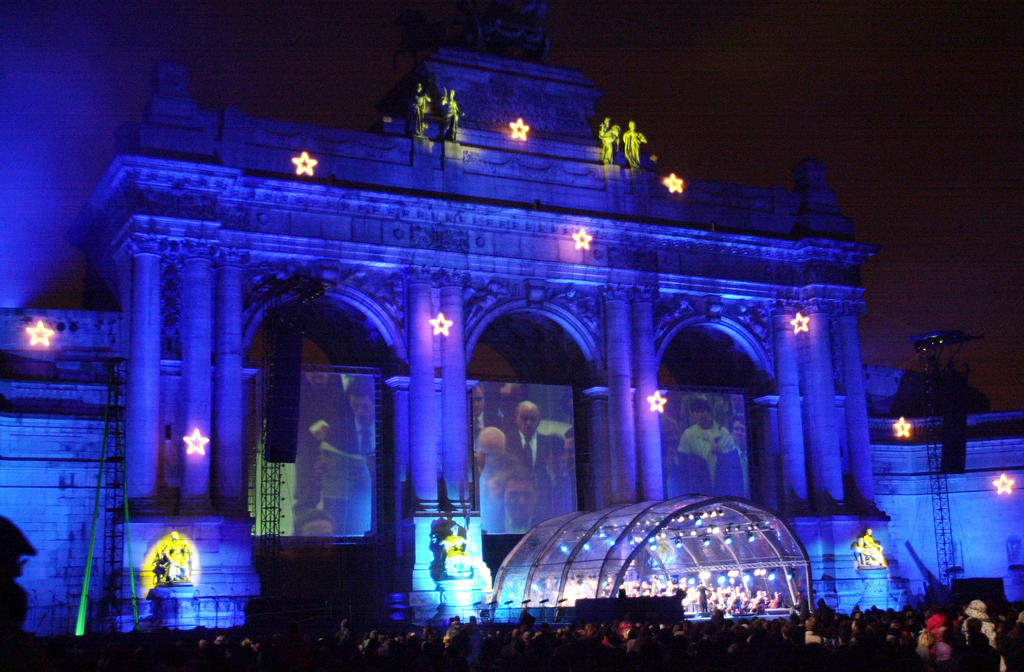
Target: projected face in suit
{"x":527,"y":418}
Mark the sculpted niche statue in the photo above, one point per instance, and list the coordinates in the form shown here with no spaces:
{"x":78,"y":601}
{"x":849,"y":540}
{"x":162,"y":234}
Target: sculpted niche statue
{"x":631,"y":141}
{"x":609,"y":137}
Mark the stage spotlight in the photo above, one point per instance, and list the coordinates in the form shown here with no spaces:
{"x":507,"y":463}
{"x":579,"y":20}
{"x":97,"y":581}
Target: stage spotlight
{"x":693,"y":533}
{"x":563,"y":548}
{"x":771,"y":577}
{"x":721,"y":580}
{"x":728,"y":539}
{"x":751,"y":537}
{"x":698,"y":522}
{"x":706,"y":541}
{"x":586,"y":546}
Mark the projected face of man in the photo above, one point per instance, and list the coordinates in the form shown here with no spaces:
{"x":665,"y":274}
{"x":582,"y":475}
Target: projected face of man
{"x":519,"y":500}
{"x":527,"y":418}
{"x":701,"y":415}
{"x":739,"y":432}
{"x":362,"y":409}
{"x":477,"y":399}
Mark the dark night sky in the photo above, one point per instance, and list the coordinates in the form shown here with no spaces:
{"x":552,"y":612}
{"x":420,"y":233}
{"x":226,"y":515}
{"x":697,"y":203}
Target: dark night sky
{"x":916,"y":108}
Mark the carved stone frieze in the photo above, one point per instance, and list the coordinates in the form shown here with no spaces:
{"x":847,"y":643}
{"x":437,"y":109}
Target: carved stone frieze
{"x":439,"y":238}
{"x":527,"y":168}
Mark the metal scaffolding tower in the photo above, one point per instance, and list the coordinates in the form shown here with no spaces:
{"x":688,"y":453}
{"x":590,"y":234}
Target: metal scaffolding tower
{"x":938,"y":351}
{"x":112,"y":503}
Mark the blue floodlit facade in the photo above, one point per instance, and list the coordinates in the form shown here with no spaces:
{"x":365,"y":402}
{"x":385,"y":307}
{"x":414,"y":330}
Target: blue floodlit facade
{"x":208,"y":225}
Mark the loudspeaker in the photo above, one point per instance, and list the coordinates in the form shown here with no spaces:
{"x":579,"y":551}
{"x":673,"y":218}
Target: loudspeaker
{"x":953,"y":407}
{"x":282,"y":411}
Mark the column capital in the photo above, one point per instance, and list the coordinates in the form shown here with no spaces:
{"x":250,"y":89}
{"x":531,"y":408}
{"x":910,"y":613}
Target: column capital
{"x":452,"y":278}
{"x":193,"y":248}
{"x":230,"y":257}
{"x":419,"y":274}
{"x":645,"y":292}
{"x":141,"y":243}
{"x":616,"y":292}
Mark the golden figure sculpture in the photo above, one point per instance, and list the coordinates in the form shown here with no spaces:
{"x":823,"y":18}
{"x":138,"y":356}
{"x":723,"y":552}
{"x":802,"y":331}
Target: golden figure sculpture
{"x":451,"y":115}
{"x":868,"y":552}
{"x":609,"y":137}
{"x":173,"y":561}
{"x":631,"y":141}
{"x":421,"y":105}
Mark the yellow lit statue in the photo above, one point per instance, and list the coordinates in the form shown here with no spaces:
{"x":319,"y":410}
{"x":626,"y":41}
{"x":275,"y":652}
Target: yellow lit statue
{"x":609,"y":137}
{"x":451,"y":115}
{"x":420,"y":107}
{"x":173,"y":561}
{"x":631,"y":141}
{"x":868,"y":552}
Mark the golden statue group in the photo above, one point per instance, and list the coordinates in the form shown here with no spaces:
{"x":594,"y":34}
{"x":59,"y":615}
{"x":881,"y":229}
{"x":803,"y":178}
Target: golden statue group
{"x":608,"y":134}
{"x":868,"y":552}
{"x":173,"y":562}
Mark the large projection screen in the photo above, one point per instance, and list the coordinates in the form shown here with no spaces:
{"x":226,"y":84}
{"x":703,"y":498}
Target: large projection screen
{"x":704,"y":444}
{"x":329,"y":490}
{"x":523,"y":453}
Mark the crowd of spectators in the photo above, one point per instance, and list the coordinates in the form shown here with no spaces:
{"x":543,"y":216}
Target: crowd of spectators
{"x":979,"y":637}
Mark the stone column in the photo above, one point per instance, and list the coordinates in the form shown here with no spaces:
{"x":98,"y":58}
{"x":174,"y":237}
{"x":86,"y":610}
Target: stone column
{"x":196,"y":349}
{"x":826,"y":458}
{"x":620,"y":403}
{"x":597,"y":479}
{"x":454,"y":400}
{"x":857,"y":437}
{"x":398,"y":386}
{"x":645,"y":373}
{"x":142,"y":413}
{"x":228,"y":394}
{"x":791,"y":430}
{"x":423,"y":434}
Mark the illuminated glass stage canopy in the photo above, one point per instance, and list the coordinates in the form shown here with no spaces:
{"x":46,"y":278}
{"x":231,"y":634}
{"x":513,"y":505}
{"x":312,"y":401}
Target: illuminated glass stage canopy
{"x":679,"y":542}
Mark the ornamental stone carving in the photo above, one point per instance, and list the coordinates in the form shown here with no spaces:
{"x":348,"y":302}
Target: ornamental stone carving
{"x":170,"y":307}
{"x":669,"y":311}
{"x":481,"y":298}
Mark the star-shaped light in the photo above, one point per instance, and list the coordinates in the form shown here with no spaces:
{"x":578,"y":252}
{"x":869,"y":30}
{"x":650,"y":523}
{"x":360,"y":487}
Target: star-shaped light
{"x":40,"y":334}
{"x":902,"y":428}
{"x":582,"y":239}
{"x":674,"y":184}
{"x":196,"y":443}
{"x":800,"y":323}
{"x":1004,"y":485}
{"x":441,"y":324}
{"x":657,"y":402}
{"x":304,"y":164}
{"x":519,"y":129}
